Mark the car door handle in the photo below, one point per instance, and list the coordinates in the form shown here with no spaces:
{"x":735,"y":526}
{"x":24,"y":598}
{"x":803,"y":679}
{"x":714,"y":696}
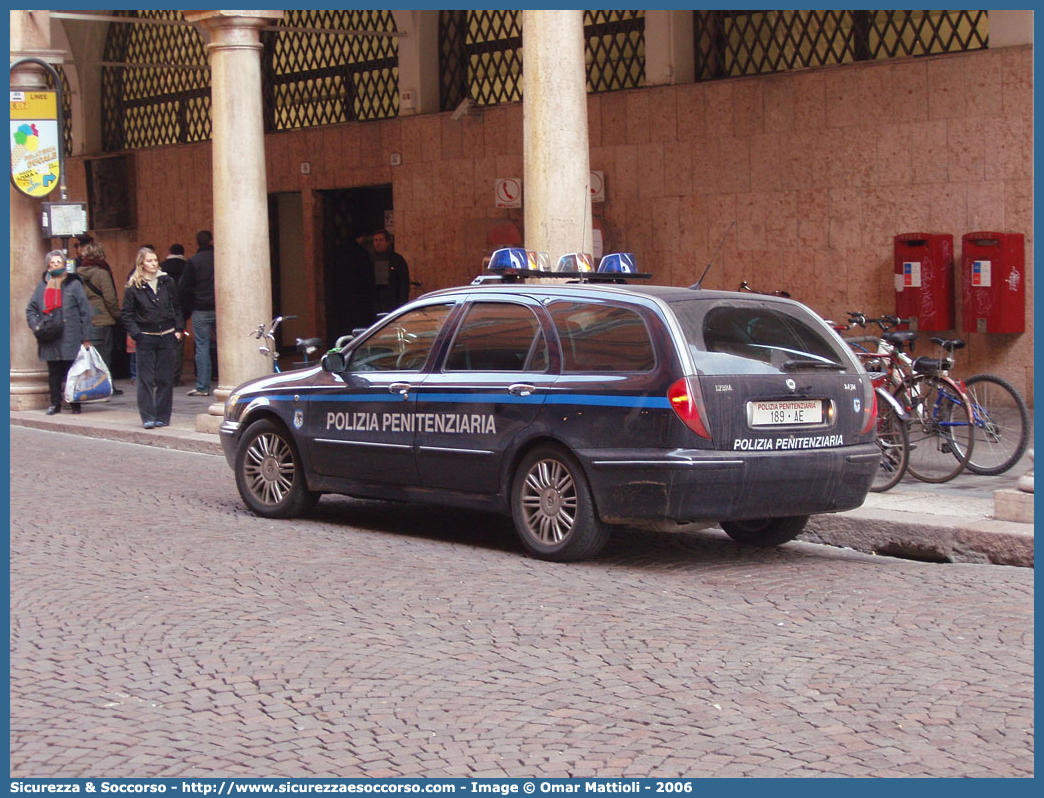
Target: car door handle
{"x":402,"y":388}
{"x":521,"y":389}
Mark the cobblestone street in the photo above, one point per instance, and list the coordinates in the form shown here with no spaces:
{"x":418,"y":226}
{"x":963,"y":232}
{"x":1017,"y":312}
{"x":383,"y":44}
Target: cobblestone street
{"x":159,"y":629}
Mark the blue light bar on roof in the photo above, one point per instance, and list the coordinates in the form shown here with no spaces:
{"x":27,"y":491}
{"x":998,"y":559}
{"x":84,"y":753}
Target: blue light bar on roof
{"x":617,"y":263}
{"x":519,"y":258}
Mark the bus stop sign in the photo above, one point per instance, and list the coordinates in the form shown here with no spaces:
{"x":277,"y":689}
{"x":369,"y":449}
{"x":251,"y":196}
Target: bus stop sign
{"x":35,"y":161}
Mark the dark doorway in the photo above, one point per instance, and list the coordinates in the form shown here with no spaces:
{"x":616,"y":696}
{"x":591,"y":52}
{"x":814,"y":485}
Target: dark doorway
{"x":347,"y":273}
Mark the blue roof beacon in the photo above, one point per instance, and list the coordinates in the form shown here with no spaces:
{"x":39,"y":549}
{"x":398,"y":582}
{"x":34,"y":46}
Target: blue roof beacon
{"x":617,"y":263}
{"x":508,"y":258}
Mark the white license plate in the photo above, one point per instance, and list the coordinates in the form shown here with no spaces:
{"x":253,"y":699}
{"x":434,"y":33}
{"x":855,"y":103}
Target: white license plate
{"x":786,"y":412}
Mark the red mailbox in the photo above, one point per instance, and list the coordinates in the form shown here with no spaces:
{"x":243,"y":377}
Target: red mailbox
{"x":993,"y":283}
{"x":924,"y":280}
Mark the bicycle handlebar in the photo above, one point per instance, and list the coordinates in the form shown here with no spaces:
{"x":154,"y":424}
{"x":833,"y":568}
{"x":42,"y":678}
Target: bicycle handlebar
{"x":262,"y":332}
{"x":884,"y":322}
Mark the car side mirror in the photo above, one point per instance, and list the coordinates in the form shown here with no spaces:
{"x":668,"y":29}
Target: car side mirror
{"x":334,"y":362}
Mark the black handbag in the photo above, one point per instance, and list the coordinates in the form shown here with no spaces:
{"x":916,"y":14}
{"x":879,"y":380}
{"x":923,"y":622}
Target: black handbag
{"x":49,"y":328}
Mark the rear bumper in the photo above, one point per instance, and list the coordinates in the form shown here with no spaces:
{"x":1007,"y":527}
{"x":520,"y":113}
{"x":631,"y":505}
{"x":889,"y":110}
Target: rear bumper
{"x":696,"y":485}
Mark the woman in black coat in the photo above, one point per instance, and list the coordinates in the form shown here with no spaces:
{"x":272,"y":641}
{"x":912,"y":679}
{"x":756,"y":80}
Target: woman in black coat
{"x":61,"y":292}
{"x":152,"y":315}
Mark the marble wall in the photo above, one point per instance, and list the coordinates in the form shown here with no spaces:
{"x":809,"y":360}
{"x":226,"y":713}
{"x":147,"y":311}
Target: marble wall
{"x":819,"y":169}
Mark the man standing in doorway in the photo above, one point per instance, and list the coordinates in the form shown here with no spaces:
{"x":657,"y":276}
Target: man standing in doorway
{"x":391,"y":275}
{"x":174,"y":265}
{"x":196,"y":292}
{"x":360,"y":285}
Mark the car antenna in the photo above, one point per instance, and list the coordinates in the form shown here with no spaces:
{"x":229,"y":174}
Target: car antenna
{"x":583,"y":219}
{"x":697,"y":284}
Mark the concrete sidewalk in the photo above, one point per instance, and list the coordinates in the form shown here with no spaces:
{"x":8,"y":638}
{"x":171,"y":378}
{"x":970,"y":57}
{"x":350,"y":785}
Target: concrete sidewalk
{"x":957,"y":521}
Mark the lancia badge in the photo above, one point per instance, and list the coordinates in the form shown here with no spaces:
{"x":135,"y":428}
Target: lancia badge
{"x":298,"y":419}
{"x":791,"y":384}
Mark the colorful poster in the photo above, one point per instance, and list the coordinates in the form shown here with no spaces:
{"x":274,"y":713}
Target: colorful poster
{"x":35,"y":166}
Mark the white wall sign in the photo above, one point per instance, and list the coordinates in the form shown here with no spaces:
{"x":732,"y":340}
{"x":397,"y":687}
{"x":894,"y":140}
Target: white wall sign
{"x":597,"y":245}
{"x":507,"y":192}
{"x":598,"y":186}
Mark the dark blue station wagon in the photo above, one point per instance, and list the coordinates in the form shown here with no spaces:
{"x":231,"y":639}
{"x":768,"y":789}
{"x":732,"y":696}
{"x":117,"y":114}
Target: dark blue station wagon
{"x":574,"y":408}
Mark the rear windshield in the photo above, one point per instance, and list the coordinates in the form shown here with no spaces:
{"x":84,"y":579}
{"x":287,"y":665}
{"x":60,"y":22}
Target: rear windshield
{"x":758,"y":338}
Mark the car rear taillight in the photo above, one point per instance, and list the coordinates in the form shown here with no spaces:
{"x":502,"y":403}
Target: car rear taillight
{"x":686,"y":401}
{"x":869,"y":412}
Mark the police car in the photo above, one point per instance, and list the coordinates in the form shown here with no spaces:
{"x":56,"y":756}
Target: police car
{"x":574,"y":405}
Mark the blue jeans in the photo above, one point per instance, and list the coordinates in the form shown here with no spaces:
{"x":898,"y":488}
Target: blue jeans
{"x":203,"y":328}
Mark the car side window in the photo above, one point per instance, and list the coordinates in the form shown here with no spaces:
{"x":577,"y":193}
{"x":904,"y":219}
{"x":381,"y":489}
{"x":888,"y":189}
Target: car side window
{"x":498,"y":336}
{"x":403,"y":344}
{"x":602,"y":338}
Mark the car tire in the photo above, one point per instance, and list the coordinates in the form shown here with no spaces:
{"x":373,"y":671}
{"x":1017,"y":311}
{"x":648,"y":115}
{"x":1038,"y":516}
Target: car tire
{"x":552,"y":507}
{"x":765,"y":531}
{"x":269,"y":473}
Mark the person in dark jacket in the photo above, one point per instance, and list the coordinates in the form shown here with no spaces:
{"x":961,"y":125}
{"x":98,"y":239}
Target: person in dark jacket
{"x":101,"y":293}
{"x":175,"y":262}
{"x":152,"y":316}
{"x":391,"y":275}
{"x":349,"y":290}
{"x":196,"y":291}
{"x":174,"y":265}
{"x":60,"y":292}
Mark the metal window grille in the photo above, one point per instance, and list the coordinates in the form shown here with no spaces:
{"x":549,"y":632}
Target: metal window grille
{"x":329,"y":71}
{"x":615,"y":50}
{"x":453,"y":74}
{"x":67,"y":139}
{"x":321,"y":70}
{"x":481,"y":54}
{"x":155,"y":85}
{"x":480,"y":57}
{"x":736,"y":43}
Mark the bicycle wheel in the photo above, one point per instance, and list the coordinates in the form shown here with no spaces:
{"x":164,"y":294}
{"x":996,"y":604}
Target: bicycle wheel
{"x":894,"y":442}
{"x":941,"y":432}
{"x":1001,"y":422}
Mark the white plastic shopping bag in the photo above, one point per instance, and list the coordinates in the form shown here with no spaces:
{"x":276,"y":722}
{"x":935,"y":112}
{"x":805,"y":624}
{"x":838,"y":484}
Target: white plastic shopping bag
{"x":88,"y":379}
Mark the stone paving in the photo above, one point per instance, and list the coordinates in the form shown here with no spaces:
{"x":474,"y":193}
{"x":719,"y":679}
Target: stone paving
{"x":951,"y":522}
{"x":159,"y":629}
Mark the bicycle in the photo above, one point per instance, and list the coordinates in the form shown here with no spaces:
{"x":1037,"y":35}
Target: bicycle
{"x":304,"y":346}
{"x":941,"y":425}
{"x":892,"y":428}
{"x":999,"y":413}
{"x":1000,"y":418}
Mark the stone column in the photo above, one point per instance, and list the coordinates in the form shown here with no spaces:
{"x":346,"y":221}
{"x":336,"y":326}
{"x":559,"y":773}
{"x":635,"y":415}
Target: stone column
{"x":556,"y":195}
{"x":30,"y":38}
{"x":242,"y":262}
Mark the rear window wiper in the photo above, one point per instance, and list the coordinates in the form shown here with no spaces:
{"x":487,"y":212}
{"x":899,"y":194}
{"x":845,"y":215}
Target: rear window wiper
{"x":794,"y":365}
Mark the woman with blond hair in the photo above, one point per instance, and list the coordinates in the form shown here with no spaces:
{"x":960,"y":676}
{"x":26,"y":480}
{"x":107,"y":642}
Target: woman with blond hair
{"x":153,"y":318}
